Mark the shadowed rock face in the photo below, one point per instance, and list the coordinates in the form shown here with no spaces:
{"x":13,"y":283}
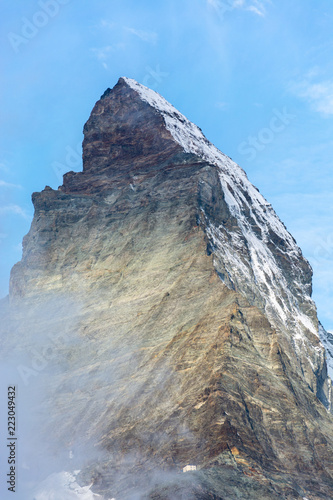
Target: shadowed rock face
{"x":195,"y":337}
{"x":135,"y":138}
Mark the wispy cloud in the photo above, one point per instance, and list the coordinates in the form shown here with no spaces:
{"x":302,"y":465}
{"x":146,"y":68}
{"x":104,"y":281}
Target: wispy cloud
{"x":13,"y":209}
{"x":257,"y":7}
{"x":103,"y":53}
{"x":9,"y":185}
{"x":105,"y":23}
{"x":146,"y":36}
{"x":221,"y":104}
{"x":259,"y":10}
{"x":214,"y":3}
{"x":318,"y":94}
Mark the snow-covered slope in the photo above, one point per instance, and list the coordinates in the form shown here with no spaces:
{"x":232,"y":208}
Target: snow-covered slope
{"x":246,"y":204}
{"x":255,"y":254}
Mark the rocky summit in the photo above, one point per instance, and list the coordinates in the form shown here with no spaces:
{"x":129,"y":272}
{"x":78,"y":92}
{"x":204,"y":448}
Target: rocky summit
{"x":161,"y":317}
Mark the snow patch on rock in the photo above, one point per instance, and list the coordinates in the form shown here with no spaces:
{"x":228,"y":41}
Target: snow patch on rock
{"x":63,"y":486}
{"x":326,"y":337}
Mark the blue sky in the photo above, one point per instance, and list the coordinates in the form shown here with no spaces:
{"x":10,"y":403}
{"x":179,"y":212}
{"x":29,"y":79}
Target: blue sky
{"x":255,"y":75}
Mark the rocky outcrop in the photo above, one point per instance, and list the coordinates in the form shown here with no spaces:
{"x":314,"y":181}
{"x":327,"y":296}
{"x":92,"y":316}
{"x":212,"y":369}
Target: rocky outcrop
{"x":190,"y":333}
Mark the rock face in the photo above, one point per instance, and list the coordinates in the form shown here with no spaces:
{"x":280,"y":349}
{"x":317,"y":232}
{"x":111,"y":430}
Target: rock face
{"x":190,"y":336}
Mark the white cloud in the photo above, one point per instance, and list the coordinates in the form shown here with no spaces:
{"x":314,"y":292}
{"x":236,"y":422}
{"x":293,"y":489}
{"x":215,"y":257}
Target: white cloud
{"x":221,"y":104}
{"x":318,"y":94}
{"x":255,"y":6}
{"x":14,"y":210}
{"x":214,"y":3}
{"x":103,"y":53}
{"x":107,"y":24}
{"x":146,"y":36}
{"x":256,"y":10}
{"x":8,"y":185}
{"x":258,"y":7}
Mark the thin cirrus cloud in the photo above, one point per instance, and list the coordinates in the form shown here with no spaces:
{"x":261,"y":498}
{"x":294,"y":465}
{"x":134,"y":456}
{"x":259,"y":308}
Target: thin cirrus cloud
{"x":259,"y":10}
{"x":255,"y":6}
{"x":9,"y":185}
{"x":13,"y":209}
{"x":103,"y":53}
{"x":319,"y":95}
{"x":107,"y":24}
{"x":146,"y":36}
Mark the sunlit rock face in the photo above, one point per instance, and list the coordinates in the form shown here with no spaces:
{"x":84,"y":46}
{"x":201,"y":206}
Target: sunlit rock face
{"x":181,"y":316}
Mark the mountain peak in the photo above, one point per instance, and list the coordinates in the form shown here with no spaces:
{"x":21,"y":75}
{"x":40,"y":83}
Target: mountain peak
{"x":188,"y":135}
{"x":126,"y":131}
{"x":132,"y":111}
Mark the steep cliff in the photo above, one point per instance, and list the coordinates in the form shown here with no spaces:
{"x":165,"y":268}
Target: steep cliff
{"x":190,"y":335}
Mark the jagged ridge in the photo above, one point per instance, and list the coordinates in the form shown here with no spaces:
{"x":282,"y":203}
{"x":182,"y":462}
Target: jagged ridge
{"x":260,"y":257}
